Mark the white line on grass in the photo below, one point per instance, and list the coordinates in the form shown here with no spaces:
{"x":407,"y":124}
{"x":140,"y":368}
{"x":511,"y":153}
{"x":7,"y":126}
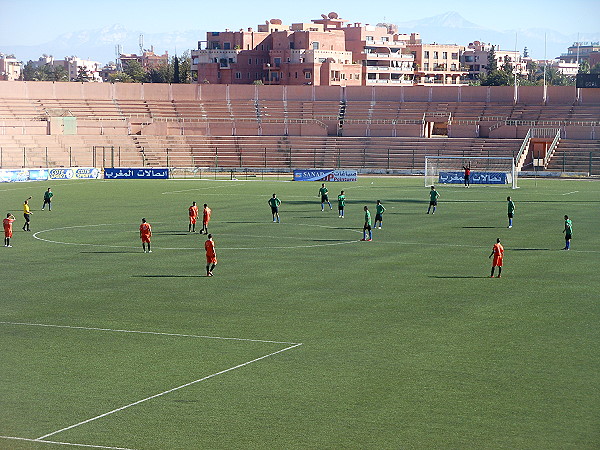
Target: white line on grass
{"x":63,"y":443}
{"x":281,"y":247}
{"x":567,"y":193}
{"x":145,"y":332}
{"x":167,"y":392}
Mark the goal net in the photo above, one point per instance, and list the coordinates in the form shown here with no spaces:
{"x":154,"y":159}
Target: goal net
{"x":496,"y":170}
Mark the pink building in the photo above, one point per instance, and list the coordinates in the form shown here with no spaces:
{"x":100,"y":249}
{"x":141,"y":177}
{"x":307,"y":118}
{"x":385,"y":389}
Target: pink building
{"x":10,"y":68}
{"x":299,"y":54}
{"x":437,"y":63}
{"x":148,"y":59}
{"x":474,"y":59}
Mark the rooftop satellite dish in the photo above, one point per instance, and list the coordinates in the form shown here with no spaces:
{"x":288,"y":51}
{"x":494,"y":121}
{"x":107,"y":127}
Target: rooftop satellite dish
{"x":324,"y":16}
{"x":333,"y":15}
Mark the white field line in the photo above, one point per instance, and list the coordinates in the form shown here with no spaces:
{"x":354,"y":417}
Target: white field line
{"x":279,"y":247}
{"x":167,"y":392}
{"x":156,"y":333}
{"x":63,"y":443}
{"x":567,"y":193}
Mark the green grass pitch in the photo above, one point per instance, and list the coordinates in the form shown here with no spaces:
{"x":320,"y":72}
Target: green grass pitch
{"x":406,"y":341}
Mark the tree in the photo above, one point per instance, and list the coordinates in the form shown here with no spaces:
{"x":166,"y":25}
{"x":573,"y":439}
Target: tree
{"x":596,"y":68}
{"x":584,"y":66}
{"x":119,"y":77}
{"x":496,"y":78}
{"x":176,"y":78}
{"x":507,"y":65}
{"x":82,"y":74}
{"x":492,"y":63}
{"x":136,"y":72}
{"x":185,"y":68}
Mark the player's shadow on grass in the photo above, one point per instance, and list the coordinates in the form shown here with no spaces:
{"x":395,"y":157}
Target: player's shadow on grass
{"x":173,"y":233}
{"x":113,"y":251}
{"x":456,"y":276}
{"x":167,"y":276}
{"x":483,"y":227}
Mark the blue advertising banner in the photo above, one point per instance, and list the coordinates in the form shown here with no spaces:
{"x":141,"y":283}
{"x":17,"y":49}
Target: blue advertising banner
{"x":13,"y":175}
{"x":324,"y":175}
{"x":65,"y":173}
{"x":133,"y":173}
{"x":475,"y":178}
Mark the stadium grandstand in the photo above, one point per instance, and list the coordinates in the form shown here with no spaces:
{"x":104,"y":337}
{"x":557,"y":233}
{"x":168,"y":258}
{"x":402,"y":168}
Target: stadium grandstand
{"x":278,"y":128}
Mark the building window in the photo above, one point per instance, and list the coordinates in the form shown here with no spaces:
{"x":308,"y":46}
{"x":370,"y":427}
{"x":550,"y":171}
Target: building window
{"x":277,"y":62}
{"x":426,"y":54}
{"x":248,"y":75}
{"x":289,"y":59}
{"x":315,"y":46}
{"x":219,"y":75}
{"x":468,"y":58}
{"x":454,"y":55}
{"x":436,"y":55}
{"x":322,"y":60}
{"x":231,"y":61}
{"x":425,"y":66}
{"x":292,"y":45}
{"x":369,"y":38}
{"x":214,"y":33}
{"x":296,"y":75}
{"x":307,"y":75}
{"x":385,"y":39}
{"x":445,"y":55}
{"x":453,"y":67}
{"x":262,"y":47}
{"x":249,"y":61}
{"x":371,"y":76}
{"x":257,"y":61}
{"x":238,"y":75}
{"x":226,"y":45}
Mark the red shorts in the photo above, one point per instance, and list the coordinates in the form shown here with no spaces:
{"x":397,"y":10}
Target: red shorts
{"x":497,"y":261}
{"x":8,"y":233}
{"x":145,"y":239}
{"x":211,"y":259}
{"x":192,"y":219}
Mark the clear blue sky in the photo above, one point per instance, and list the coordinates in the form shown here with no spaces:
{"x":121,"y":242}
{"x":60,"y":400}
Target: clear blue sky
{"x":30,"y":22}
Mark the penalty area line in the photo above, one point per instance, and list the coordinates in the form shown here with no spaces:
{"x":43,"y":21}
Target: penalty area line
{"x":72,"y":444}
{"x":166,"y":392}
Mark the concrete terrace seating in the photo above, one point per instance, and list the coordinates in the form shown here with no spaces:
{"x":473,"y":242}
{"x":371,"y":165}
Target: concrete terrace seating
{"x":576,"y":156}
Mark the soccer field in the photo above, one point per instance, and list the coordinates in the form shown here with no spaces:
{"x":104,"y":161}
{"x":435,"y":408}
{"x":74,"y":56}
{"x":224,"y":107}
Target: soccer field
{"x":306,"y":337}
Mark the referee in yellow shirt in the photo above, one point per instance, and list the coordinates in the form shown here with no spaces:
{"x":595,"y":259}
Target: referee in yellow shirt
{"x":27,"y":214}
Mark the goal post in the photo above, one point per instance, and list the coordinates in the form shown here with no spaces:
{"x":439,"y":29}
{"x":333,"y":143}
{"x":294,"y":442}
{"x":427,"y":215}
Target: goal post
{"x":492,"y":170}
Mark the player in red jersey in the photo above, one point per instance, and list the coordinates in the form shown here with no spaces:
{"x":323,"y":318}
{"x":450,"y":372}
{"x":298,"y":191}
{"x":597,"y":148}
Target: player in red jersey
{"x":211,"y":256}
{"x":145,"y":235}
{"x":8,"y":229}
{"x":193,"y":213}
{"x":498,"y":254}
{"x":206,"y":212}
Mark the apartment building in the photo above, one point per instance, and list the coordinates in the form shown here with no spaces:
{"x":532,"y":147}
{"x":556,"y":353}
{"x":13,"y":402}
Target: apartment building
{"x":474,"y":59}
{"x":580,"y":51}
{"x":437,"y":63}
{"x":326,"y":52}
{"x":297,"y":54}
{"x":148,"y":59}
{"x":10,"y":68}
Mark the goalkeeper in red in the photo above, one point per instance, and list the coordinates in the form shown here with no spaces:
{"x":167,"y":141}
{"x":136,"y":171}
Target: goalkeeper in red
{"x":498,"y":254}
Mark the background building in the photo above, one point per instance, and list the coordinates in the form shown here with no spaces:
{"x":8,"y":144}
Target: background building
{"x":474,"y":59}
{"x":10,"y":68}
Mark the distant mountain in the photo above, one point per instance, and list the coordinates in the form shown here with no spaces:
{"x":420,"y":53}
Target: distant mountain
{"x":452,"y":28}
{"x":99,"y":45}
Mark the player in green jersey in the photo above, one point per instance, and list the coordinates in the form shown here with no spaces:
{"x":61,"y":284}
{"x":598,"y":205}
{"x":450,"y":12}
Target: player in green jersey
{"x":274,"y":203}
{"x":379,"y":214}
{"x":433,"y":196}
{"x":511,"y":211}
{"x":324,"y":197}
{"x":341,"y":204}
{"x":367,"y":226}
{"x":568,"y":232}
